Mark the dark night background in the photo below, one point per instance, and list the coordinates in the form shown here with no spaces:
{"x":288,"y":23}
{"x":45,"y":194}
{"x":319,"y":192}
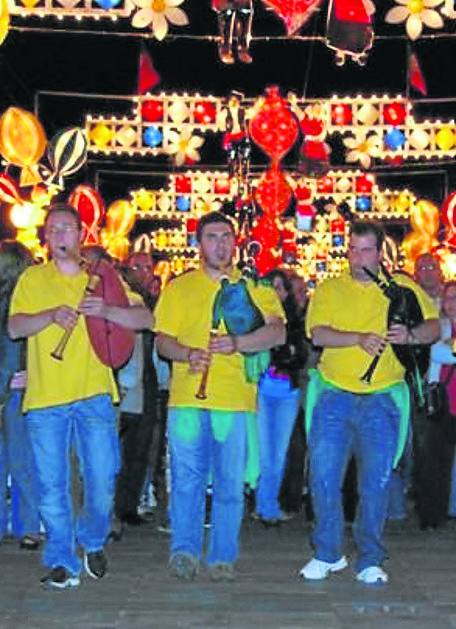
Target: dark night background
{"x":34,"y":63}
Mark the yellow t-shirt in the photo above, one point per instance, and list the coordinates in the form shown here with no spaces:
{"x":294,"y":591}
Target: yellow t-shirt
{"x":80,"y":374}
{"x":348,"y":305}
{"x":184,"y":311}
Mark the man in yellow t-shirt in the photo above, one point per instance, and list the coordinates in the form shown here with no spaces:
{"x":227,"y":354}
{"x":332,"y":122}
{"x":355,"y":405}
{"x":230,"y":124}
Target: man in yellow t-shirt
{"x":347,"y":317}
{"x":69,"y":401}
{"x":208,"y":436}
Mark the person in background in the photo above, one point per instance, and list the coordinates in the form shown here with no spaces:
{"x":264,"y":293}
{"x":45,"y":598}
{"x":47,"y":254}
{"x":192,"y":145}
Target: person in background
{"x":428,"y":275}
{"x":278,"y":403}
{"x":14,"y":435}
{"x":207,"y":435}
{"x":348,"y":317}
{"x":138,"y":386}
{"x":69,"y":400}
{"x":439,"y":491}
{"x":426,"y":434}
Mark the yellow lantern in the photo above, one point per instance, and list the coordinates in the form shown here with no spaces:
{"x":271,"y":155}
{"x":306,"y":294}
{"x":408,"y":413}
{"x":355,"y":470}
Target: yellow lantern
{"x":445,"y":139}
{"x":120,"y":217}
{"x":425,"y":217}
{"x":22,"y":142}
{"x":101,"y":135}
{"x":4,"y":20}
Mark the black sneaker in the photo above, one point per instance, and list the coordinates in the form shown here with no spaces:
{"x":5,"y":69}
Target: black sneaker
{"x":95,"y":564}
{"x":59,"y":579}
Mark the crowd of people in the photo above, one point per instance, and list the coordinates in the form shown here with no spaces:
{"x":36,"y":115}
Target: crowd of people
{"x":240,"y":395}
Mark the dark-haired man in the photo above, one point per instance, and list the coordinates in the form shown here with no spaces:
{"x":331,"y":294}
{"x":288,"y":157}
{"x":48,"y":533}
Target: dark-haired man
{"x":208,"y":436}
{"x":347,"y":317}
{"x":69,"y":401}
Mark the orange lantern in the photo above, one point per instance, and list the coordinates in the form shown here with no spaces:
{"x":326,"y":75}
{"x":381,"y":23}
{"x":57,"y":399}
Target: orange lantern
{"x":120,"y":218}
{"x":22,"y":142}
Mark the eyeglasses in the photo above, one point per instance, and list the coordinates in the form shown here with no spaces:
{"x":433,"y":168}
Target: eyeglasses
{"x":142,"y":267}
{"x":60,"y":229}
{"x":427,"y":267}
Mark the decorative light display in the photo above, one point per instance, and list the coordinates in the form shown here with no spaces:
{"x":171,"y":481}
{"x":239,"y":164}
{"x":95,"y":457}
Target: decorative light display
{"x":167,"y":124}
{"x":373,"y":129}
{"x":315,"y":248}
{"x":154,"y":15}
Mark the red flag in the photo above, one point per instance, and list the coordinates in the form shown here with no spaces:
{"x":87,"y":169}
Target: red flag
{"x":148,"y":76}
{"x":416,"y":77}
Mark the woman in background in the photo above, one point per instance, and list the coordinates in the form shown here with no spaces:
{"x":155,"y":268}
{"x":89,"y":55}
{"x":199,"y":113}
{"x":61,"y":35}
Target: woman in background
{"x":15,"y":448}
{"x":279,"y":398}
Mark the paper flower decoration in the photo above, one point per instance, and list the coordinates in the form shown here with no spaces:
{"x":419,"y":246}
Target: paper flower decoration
{"x":362,"y":148}
{"x":157,"y":14}
{"x":184,"y":145}
{"x":415,"y":13}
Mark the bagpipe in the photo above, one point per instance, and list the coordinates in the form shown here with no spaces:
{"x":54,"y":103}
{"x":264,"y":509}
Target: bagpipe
{"x":403,"y":309}
{"x":112,"y":343}
{"x":235,"y":307}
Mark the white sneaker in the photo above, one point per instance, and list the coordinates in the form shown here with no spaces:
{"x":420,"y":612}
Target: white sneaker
{"x":371,"y":575}
{"x":315,"y":570}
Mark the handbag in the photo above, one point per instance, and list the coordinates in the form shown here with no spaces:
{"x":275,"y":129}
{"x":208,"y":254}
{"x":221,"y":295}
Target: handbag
{"x":436,"y":397}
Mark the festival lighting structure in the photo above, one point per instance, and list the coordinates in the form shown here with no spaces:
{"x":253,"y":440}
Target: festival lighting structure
{"x":372,"y":128}
{"x":316,"y":251}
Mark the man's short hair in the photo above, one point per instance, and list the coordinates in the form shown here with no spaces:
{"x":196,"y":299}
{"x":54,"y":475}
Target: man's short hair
{"x":364,"y":228}
{"x":209,"y":219}
{"x":64,"y":207}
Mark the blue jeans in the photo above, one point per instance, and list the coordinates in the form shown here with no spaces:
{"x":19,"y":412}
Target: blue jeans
{"x":91,"y":426}
{"x":343,"y":424}
{"x":276,"y":418}
{"x":193,"y":459}
{"x":25,"y":512}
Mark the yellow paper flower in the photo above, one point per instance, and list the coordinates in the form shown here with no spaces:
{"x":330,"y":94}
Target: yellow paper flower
{"x":363,"y":148}
{"x":415,"y":13}
{"x":184,"y":145}
{"x":157,"y":14}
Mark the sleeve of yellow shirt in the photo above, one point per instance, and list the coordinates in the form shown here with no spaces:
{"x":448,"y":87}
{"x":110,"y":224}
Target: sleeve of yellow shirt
{"x":320,"y":309}
{"x":265,"y":298}
{"x":427,"y":305}
{"x":20,"y":299}
{"x":168,"y":312}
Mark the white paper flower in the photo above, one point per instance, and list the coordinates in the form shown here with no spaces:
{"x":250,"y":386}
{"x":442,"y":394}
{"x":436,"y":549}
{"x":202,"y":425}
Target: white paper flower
{"x":363,"y":148}
{"x":157,"y":14}
{"x":415,"y":13}
{"x":184,"y":145}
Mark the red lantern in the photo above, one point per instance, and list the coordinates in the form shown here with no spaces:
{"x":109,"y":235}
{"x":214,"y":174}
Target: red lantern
{"x":222,"y":186}
{"x":266,"y":261}
{"x":152,"y":111}
{"x":364,"y":183}
{"x":266,"y":232}
{"x":294,"y":13}
{"x":337,"y":225}
{"x":183,"y":184}
{"x":273,"y":193}
{"x":9,"y":190}
{"x":448,"y":213}
{"x":394,"y":113}
{"x":341,"y":114}
{"x":91,"y":209}
{"x":325,"y":184}
{"x":205,"y":112}
{"x":191,"y":224}
{"x":274,"y":128}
